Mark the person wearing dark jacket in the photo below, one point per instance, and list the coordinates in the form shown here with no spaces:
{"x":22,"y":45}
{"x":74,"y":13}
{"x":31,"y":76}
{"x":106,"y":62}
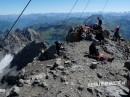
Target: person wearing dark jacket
{"x":116,"y":35}
{"x":95,"y":54}
{"x":99,"y":23}
{"x":93,"y":51}
{"x":59,"y":47}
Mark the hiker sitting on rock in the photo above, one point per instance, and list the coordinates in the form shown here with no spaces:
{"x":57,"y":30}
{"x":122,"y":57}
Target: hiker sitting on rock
{"x":94,"y":53}
{"x":59,"y":47}
{"x":116,"y":35}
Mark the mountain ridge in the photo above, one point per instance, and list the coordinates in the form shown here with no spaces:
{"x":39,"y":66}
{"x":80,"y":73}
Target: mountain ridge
{"x":49,"y":21}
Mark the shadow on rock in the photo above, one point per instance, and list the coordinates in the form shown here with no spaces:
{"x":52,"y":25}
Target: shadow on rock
{"x":124,"y":95}
{"x":48,"y":54}
{"x":27,"y":55}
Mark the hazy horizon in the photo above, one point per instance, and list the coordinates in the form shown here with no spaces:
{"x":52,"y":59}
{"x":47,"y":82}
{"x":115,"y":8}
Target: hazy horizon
{"x":71,"y":13}
{"x":63,"y":6}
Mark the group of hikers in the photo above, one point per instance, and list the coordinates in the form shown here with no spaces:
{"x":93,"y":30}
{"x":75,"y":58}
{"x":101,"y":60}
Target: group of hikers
{"x":87,"y":31}
{"x":116,"y":35}
{"x":99,"y":36}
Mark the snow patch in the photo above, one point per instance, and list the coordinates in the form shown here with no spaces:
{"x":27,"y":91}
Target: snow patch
{"x":5,"y":62}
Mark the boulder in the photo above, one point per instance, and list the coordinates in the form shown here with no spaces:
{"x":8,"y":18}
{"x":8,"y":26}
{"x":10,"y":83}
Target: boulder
{"x":60,"y":67}
{"x":2,"y":91}
{"x":93,"y":65}
{"x":90,"y":90}
{"x":67,"y":63}
{"x":58,"y":61}
{"x":36,"y":82}
{"x":28,"y":82}
{"x":38,"y":76}
{"x":65,"y":72}
{"x":57,"y":64}
{"x":54,"y":73}
{"x":20,"y":83}
{"x":63,"y":79}
{"x":99,"y":75}
{"x":14,"y":92}
{"x":44,"y":85}
{"x":80,"y":88}
{"x":10,"y":79}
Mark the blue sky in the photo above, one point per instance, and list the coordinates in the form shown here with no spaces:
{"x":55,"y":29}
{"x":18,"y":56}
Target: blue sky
{"x":57,"y":6}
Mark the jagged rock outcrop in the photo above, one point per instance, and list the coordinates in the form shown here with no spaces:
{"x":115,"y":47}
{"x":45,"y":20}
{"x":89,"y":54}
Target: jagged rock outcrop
{"x":85,"y":32}
{"x":27,"y":54}
{"x":49,"y":54}
{"x":71,"y":74}
{"x":14,"y":92}
{"x":31,"y":34}
{"x":22,"y":59}
{"x":127,"y":65}
{"x":18,"y":39}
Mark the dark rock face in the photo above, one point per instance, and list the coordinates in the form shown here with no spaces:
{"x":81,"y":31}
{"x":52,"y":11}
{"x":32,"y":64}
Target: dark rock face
{"x":93,"y":65}
{"x":106,"y":33}
{"x":18,"y":39}
{"x":10,"y":79}
{"x":13,"y":77}
{"x":31,"y":34}
{"x":127,"y":65}
{"x":72,"y":37}
{"x":25,"y":45}
{"x":14,"y":92}
{"x":48,"y":54}
{"x":79,"y":33}
{"x":27,"y":54}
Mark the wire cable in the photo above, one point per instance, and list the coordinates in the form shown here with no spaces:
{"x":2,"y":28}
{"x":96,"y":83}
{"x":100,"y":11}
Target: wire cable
{"x":15,"y":22}
{"x":86,"y":6}
{"x":103,"y":9}
{"x":105,"y":5}
{"x":69,"y":13}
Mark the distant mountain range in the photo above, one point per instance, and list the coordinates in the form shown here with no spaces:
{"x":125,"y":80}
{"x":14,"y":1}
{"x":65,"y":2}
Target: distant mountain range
{"x":54,"y":26}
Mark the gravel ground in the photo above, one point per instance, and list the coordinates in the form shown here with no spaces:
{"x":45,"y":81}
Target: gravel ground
{"x":72,"y":76}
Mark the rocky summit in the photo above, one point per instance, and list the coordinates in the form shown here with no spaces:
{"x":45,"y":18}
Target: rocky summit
{"x":37,"y":71}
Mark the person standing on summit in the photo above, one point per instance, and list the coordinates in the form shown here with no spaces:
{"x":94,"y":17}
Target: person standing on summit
{"x":99,"y":34}
{"x":99,"y":23}
{"x":116,"y":35}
